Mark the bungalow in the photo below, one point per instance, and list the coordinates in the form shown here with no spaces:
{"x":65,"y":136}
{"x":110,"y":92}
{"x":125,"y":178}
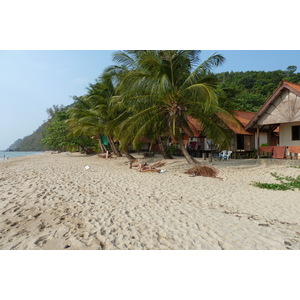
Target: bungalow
{"x":281,"y":110}
{"x":242,"y":140}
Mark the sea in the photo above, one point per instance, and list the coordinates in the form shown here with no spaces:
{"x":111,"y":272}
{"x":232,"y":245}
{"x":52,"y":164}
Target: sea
{"x":11,"y":154}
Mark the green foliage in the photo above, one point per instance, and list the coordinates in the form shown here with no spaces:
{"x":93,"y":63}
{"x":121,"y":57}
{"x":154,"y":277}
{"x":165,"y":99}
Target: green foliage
{"x":286,"y":183}
{"x":57,"y":136}
{"x":291,"y":69}
{"x":167,"y":86}
{"x":255,"y":87}
{"x":92,"y":114}
{"x":172,"y":150}
{"x":56,"y":133}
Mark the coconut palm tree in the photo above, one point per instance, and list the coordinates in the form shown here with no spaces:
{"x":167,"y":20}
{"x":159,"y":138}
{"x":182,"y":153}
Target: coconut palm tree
{"x":91,"y":114}
{"x":101,"y":94}
{"x":164,"y":87}
{"x":127,"y":135}
{"x":85,"y":120}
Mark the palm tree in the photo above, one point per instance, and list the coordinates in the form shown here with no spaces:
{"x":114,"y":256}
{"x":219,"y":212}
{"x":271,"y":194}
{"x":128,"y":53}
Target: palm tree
{"x":85,"y":120}
{"x":101,"y":93}
{"x":126,"y":135}
{"x":163,"y":88}
{"x":91,"y":114}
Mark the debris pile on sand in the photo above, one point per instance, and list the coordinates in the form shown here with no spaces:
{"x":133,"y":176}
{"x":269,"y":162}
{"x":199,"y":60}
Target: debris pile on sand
{"x":205,"y":171}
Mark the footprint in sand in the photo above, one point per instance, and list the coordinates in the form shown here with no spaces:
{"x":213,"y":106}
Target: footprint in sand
{"x":41,"y":241}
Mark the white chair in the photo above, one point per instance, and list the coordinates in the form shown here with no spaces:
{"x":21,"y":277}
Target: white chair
{"x":229,"y":154}
{"x":223,"y":155}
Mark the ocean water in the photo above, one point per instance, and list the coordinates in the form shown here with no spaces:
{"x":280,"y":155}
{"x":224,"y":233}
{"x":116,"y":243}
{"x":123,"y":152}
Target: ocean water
{"x":12,"y":154}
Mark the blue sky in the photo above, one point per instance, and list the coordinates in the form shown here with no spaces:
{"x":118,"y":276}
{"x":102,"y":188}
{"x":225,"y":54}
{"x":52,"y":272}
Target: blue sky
{"x":32,"y":81}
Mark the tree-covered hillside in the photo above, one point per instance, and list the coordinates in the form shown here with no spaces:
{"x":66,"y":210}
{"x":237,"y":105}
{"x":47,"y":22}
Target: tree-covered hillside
{"x":33,"y":142}
{"x":30,"y":142}
{"x":253,"y":88}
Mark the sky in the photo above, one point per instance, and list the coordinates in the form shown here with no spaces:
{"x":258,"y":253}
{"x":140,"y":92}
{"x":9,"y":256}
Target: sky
{"x":32,"y":81}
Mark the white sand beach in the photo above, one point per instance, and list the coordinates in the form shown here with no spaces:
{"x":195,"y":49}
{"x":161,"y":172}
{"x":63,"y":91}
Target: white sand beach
{"x":52,"y":201}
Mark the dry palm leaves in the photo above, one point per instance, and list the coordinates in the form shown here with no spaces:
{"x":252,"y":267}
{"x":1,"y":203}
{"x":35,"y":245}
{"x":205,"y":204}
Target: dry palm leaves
{"x":206,"y":171}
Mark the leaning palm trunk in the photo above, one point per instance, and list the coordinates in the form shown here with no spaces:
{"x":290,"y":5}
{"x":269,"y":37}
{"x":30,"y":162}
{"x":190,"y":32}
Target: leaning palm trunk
{"x":162,"y":149}
{"x":185,"y":153}
{"x":113,"y":147}
{"x":128,"y":155}
{"x":102,"y":147}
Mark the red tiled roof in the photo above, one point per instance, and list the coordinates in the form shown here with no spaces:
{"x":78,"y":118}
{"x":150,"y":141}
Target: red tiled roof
{"x":195,"y":127}
{"x":295,"y":86}
{"x":242,"y":116}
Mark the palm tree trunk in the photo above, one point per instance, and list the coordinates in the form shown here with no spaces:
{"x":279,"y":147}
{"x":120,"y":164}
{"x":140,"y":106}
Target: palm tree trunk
{"x":102,"y":147}
{"x":162,"y":149}
{"x":186,"y":154}
{"x":129,"y":156}
{"x":113,"y":147}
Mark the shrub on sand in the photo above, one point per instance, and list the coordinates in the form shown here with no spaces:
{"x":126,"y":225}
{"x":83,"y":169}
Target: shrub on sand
{"x":206,"y":171}
{"x":286,"y":183}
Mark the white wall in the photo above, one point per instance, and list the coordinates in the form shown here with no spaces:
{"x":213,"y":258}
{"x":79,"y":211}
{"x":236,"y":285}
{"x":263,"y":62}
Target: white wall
{"x":285,"y":134}
{"x":206,"y":142}
{"x":285,"y":109}
{"x":263,"y":138}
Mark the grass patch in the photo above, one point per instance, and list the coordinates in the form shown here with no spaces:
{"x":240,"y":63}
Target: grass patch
{"x":286,"y":183}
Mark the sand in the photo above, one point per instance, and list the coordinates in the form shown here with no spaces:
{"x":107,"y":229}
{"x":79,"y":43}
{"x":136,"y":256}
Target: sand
{"x":52,"y":201}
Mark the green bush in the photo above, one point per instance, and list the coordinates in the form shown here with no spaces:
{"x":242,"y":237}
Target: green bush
{"x":172,"y":150}
{"x":286,"y":183}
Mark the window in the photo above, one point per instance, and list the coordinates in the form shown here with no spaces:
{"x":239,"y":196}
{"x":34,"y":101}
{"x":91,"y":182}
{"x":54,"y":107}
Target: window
{"x":295,"y":133}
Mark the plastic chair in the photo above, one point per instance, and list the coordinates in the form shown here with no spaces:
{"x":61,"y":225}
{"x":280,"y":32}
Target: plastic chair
{"x":223,"y":155}
{"x":229,"y":154}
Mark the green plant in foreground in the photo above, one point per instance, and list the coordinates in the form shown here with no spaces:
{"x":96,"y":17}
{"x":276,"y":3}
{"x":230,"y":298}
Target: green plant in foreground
{"x":286,"y":183}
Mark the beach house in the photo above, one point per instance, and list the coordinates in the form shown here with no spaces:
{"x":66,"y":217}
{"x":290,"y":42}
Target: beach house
{"x":281,"y":110}
{"x":243,"y":141}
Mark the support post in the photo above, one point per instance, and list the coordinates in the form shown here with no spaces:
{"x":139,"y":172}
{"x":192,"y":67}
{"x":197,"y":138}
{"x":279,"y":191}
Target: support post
{"x":269,"y":135}
{"x":235,"y":146}
{"x":257,"y":139}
